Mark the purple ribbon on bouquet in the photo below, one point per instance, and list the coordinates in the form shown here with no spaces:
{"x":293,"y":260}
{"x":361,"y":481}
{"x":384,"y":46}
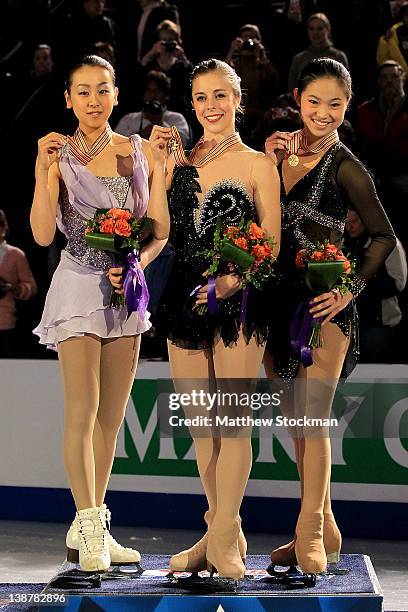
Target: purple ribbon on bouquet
{"x":134,"y":286}
{"x":211,"y":296}
{"x":212,"y":299}
{"x":300,"y":332}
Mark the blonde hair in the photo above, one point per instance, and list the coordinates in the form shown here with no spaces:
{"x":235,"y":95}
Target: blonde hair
{"x":169,"y":26}
{"x":324,"y":19}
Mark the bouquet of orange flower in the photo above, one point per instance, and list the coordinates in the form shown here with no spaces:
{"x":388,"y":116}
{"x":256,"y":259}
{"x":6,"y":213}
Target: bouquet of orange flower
{"x":118,"y":231}
{"x":243,"y":250}
{"x":325,"y":268}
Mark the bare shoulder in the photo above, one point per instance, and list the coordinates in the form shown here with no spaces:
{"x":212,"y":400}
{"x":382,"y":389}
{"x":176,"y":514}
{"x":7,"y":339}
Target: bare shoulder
{"x":119,"y":139}
{"x":261,"y":162}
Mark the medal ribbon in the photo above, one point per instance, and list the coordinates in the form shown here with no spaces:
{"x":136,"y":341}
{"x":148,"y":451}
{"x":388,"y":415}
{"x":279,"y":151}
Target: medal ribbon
{"x":180,"y":157}
{"x":299,"y":141}
{"x":82,"y":151}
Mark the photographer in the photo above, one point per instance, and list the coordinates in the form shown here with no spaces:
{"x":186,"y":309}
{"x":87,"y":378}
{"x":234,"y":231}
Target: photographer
{"x":168,"y":56}
{"x":259,"y":77}
{"x":16,"y":283}
{"x":247,"y":32}
{"x":154,"y":112}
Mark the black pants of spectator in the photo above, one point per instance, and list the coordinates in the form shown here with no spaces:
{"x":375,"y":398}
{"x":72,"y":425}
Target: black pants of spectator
{"x":380,"y":344}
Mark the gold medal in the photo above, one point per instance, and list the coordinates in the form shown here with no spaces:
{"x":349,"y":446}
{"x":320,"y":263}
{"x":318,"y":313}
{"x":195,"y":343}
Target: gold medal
{"x":293,"y":160}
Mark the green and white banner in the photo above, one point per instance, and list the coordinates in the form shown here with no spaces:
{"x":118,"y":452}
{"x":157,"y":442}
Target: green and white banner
{"x":365,"y":468}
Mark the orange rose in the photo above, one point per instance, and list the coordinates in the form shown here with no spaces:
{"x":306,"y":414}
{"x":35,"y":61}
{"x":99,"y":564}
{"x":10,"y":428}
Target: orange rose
{"x":317,"y":256}
{"x":119,"y":213}
{"x":260,"y":252}
{"x":122,"y":228}
{"x":241,"y":243}
{"x":255,"y":232}
{"x":346,"y":262}
{"x":108,"y":226}
{"x":331,"y":249}
{"x":231,"y":230}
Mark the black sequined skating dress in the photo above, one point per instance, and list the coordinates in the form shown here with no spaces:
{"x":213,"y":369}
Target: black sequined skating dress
{"x":192,"y":230}
{"x":314,"y":210}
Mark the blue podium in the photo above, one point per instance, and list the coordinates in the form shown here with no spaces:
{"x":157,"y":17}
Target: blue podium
{"x":351,"y":586}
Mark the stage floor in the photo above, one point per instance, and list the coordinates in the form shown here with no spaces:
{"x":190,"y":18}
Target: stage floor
{"x":32,"y":552}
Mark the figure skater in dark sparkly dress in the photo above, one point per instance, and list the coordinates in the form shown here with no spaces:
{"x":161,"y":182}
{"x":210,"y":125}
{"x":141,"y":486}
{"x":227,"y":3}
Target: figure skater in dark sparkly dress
{"x":223,"y":179}
{"x":320,"y":180}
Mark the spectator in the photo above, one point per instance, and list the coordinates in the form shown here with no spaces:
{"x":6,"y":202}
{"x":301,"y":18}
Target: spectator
{"x":284,"y":116}
{"x":259,"y":77}
{"x":81,"y":30}
{"x":33,"y":93}
{"x":249,"y":31}
{"x":167,"y":55}
{"x":43,"y":63}
{"x":154,"y":112}
{"x":382,"y":137}
{"x":378,"y":306}
{"x":382,"y":124}
{"x":321,"y":45}
{"x":105,"y":50}
{"x":394,"y":44}
{"x":154,"y":12}
{"x":16,"y":283}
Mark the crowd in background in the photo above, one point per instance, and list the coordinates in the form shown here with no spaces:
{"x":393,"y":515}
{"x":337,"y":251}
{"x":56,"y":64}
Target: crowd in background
{"x":153,"y":45}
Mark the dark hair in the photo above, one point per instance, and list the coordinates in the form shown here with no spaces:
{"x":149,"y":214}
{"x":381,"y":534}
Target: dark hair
{"x":402,"y":10}
{"x":89,"y":60}
{"x":322,"y":68}
{"x":162,"y":80}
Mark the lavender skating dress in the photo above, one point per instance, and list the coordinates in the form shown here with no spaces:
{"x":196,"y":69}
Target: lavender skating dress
{"x":78,"y":299}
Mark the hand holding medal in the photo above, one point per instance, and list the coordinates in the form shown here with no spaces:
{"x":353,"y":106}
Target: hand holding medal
{"x":291,"y":145}
{"x":276,"y":146}
{"x":159,"y":142}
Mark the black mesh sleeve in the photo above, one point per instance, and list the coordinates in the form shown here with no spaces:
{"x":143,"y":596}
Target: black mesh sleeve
{"x":358,"y":189}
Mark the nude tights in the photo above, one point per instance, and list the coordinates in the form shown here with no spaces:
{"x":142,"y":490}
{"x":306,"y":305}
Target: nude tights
{"x":97,"y":377}
{"x":224,"y":462}
{"x":318,"y":385}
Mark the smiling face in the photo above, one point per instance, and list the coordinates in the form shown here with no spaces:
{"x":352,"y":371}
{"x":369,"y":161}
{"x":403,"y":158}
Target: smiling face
{"x":215,"y":103}
{"x":318,"y":33}
{"x":323,"y":104}
{"x":92,"y":96}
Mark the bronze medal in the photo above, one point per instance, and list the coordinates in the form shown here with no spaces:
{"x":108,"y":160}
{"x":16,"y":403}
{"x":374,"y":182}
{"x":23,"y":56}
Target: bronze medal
{"x":293,"y":160}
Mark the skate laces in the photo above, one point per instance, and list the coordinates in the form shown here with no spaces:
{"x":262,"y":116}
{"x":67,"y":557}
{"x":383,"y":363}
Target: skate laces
{"x":94,"y":534}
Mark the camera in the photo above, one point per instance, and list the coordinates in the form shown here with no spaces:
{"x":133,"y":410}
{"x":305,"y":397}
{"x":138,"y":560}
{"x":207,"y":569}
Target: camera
{"x":152,"y":107}
{"x":248,"y":45}
{"x":170,"y":45}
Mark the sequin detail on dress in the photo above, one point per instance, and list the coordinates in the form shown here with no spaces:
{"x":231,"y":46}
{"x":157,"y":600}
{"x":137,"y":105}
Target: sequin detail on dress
{"x":225,"y":199}
{"x":75,"y":224}
{"x":191,"y":234}
{"x":312,"y":211}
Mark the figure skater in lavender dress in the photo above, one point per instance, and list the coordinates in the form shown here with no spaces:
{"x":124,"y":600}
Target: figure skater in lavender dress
{"x":97,"y":345}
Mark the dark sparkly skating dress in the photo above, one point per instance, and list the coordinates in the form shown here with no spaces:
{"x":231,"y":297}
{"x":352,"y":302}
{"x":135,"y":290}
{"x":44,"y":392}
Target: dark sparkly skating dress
{"x":192,"y":230}
{"x":314,"y":210}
